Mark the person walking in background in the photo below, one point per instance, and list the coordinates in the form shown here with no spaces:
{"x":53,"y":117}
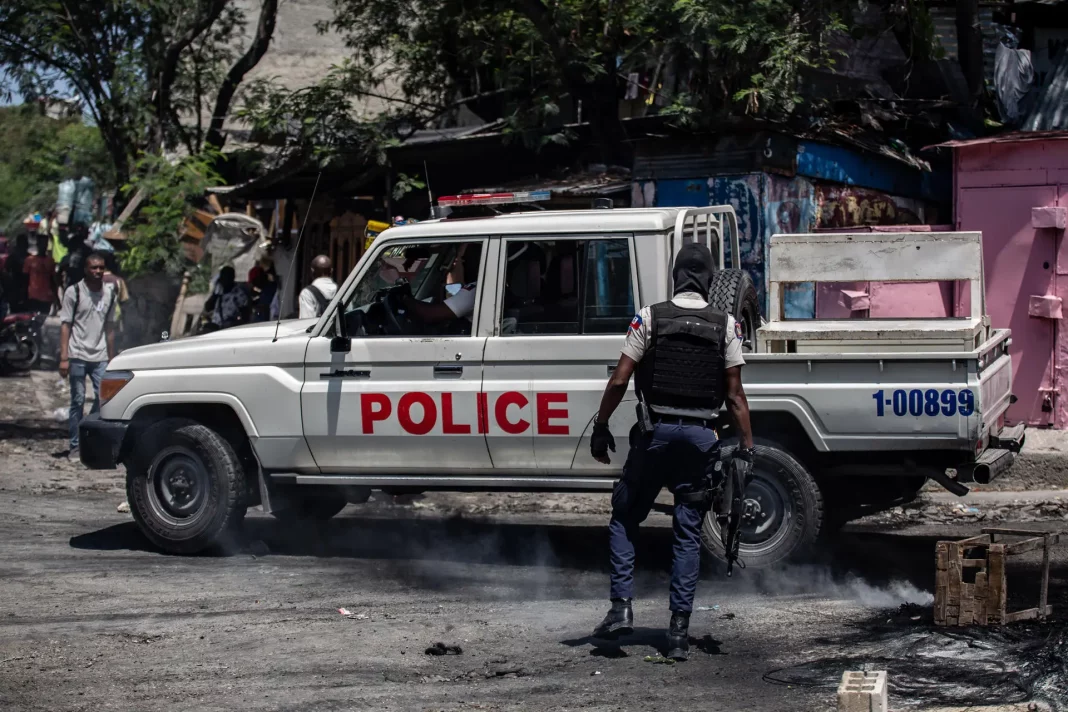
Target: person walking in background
{"x":315,"y":297}
{"x":263,"y":281}
{"x":229,"y":302}
{"x":86,"y":339}
{"x":40,"y":271}
{"x":14,"y":274}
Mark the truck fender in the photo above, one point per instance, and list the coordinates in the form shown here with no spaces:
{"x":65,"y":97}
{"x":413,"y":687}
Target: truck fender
{"x":184,"y":398}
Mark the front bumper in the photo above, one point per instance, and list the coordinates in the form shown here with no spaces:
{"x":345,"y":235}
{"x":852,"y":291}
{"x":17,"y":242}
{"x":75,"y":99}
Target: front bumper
{"x":99,"y":441}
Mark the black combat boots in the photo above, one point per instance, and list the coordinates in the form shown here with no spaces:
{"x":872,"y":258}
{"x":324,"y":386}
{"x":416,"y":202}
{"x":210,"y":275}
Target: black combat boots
{"x":619,"y":621}
{"x":678,"y":637}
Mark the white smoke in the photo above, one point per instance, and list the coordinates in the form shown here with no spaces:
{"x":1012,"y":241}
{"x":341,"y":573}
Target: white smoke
{"x":821,"y":581}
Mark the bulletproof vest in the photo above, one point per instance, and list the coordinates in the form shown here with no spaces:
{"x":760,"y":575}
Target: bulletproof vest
{"x":684,"y":366}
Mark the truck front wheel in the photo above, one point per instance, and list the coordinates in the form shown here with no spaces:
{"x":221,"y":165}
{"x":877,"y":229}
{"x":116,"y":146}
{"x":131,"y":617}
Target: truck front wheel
{"x":185,"y":485}
{"x":784,"y":509}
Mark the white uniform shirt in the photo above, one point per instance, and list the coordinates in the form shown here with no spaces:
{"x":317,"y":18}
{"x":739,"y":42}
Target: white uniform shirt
{"x":309,"y":305}
{"x":639,"y":334}
{"x":463,"y":303}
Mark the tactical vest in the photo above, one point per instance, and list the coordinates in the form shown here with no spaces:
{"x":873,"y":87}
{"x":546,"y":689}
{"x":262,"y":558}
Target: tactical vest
{"x":684,"y":365}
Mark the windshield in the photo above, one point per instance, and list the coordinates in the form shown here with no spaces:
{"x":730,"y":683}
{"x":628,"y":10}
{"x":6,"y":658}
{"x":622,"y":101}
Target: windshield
{"x":425,"y":267}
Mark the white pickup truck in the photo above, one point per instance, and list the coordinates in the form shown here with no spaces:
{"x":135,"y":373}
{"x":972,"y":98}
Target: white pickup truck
{"x":850,"y":415}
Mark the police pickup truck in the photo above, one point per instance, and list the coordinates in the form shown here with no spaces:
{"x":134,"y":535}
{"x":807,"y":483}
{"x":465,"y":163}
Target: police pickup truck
{"x":492,"y":382}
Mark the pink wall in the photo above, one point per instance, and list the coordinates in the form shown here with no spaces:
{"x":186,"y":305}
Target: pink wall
{"x":996,"y":186}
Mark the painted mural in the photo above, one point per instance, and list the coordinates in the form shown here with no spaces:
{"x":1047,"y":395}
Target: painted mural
{"x":767,"y":203}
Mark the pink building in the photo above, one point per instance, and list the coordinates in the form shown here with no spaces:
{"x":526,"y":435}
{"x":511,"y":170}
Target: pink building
{"x":1014,"y":188}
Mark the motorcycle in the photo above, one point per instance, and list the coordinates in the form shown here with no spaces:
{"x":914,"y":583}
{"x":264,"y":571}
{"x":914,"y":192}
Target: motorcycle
{"x":20,"y":342}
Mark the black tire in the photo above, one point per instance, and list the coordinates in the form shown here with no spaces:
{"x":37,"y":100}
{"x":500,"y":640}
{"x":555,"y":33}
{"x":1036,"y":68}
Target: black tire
{"x":310,"y":507}
{"x":30,"y":358}
{"x":732,"y":291}
{"x":186,"y":486}
{"x":790,"y":527}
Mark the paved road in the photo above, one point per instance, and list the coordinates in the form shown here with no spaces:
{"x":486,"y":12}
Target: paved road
{"x":91,"y":618}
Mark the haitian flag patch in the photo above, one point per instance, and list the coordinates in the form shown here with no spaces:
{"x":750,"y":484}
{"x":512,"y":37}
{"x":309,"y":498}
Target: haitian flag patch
{"x":635,"y":323}
{"x":738,"y":330}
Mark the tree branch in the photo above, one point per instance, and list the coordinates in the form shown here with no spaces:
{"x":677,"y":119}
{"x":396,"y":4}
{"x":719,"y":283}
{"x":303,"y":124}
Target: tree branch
{"x":171,"y":58}
{"x":233,"y":79}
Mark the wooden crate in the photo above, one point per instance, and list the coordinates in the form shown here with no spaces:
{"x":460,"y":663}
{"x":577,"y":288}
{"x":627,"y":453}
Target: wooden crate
{"x":970,"y":585}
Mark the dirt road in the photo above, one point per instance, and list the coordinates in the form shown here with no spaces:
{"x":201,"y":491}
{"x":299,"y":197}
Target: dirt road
{"x":91,"y":618}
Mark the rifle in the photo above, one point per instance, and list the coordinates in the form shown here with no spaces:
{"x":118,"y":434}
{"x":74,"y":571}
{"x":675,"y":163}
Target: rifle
{"x":730,"y":508}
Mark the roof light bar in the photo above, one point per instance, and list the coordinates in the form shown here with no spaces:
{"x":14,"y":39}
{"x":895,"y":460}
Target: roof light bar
{"x":527,"y":196}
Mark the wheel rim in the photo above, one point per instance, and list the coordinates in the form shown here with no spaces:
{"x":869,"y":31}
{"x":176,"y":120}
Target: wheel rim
{"x":178,"y":486}
{"x":767,"y":514}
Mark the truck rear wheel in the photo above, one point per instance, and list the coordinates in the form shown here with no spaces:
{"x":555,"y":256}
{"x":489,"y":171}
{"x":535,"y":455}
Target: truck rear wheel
{"x":186,"y":486}
{"x":732,"y":291}
{"x":784,"y":510}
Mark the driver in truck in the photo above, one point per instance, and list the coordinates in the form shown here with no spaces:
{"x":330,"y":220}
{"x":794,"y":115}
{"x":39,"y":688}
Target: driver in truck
{"x":687,"y":357}
{"x":460,"y":292}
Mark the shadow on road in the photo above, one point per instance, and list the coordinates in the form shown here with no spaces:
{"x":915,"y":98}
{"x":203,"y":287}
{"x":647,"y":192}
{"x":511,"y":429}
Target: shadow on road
{"x":642,"y":639}
{"x":878,"y":558}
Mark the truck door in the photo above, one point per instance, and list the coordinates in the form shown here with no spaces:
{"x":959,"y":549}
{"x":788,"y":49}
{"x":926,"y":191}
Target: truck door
{"x":400,"y":404}
{"x":564,"y":308}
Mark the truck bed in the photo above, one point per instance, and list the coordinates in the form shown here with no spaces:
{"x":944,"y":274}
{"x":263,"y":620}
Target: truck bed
{"x":887,"y":399}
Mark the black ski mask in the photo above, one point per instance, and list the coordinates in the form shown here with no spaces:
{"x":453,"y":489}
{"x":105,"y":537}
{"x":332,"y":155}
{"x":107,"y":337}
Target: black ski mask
{"x":693,"y":269}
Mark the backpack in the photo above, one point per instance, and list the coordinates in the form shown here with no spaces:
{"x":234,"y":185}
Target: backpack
{"x":320,"y":298}
{"x":78,"y":299}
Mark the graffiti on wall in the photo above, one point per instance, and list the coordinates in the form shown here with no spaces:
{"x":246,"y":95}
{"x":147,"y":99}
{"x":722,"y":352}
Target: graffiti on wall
{"x":848,"y":206}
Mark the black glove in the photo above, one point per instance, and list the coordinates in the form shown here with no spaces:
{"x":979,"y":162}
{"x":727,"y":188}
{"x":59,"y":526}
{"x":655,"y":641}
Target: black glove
{"x":601,"y":441}
{"x":742,"y":461}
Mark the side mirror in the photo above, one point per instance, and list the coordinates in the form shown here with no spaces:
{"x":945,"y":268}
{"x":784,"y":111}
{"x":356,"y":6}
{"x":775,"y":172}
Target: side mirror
{"x":340,"y":344}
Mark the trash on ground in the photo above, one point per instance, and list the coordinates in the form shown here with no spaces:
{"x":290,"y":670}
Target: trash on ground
{"x":61,"y":415}
{"x":440,"y":648}
{"x":123,"y":508}
{"x":707,"y":608}
{"x":354,"y":616}
{"x":595,"y":673}
{"x":658,"y":659}
{"x":727,"y":617}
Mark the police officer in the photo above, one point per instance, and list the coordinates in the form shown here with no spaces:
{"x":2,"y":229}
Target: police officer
{"x":687,"y":357}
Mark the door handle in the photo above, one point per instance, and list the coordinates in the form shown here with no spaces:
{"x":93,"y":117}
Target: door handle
{"x":345,"y":373}
{"x":448,"y":370}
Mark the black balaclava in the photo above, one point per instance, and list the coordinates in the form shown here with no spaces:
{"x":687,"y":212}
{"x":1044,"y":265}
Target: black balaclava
{"x":693,"y":269}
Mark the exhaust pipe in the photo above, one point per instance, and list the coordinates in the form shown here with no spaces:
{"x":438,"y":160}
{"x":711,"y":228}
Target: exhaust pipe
{"x":991,"y":464}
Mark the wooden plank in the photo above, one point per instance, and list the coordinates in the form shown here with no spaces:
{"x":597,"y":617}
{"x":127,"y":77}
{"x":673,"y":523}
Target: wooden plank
{"x":941,"y":583}
{"x":1014,"y":532}
{"x":1043,"y":593}
{"x":996,"y":584}
{"x":974,"y":541}
{"x":941,"y":556}
{"x":1022,"y":547}
{"x":1025,"y":615}
{"x":980,"y":598}
{"x":973,"y":563}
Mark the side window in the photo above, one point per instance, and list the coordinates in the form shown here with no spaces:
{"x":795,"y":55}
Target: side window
{"x":420,"y":289}
{"x":567,"y":287}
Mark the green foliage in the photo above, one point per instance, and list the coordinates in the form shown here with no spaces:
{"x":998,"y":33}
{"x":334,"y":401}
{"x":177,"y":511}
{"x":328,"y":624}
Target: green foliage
{"x":153,"y":74}
{"x":519,"y":62}
{"x":37,"y":152}
{"x":405,"y":184}
{"x":171,"y":190}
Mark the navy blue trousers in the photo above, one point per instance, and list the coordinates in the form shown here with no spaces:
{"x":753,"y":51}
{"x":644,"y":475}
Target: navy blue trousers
{"x":675,"y":456}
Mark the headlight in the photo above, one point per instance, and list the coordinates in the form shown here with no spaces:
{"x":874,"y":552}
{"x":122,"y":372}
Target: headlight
{"x":112,"y":383}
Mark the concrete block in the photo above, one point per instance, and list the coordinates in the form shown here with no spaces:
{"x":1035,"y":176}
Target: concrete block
{"x":1052,"y":218}
{"x":854,"y":300}
{"x":862,"y":691}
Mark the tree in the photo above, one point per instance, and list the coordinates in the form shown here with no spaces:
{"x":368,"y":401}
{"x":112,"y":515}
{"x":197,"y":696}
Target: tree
{"x":154,"y":74}
{"x":525,"y":62}
{"x":37,"y":152}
